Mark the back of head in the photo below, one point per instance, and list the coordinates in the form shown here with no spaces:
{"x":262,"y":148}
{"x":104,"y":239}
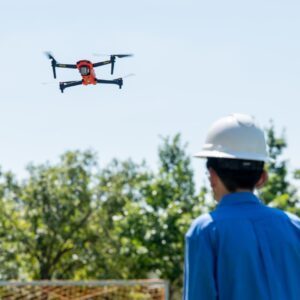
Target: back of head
{"x":237,"y":173}
{"x":236,"y":149}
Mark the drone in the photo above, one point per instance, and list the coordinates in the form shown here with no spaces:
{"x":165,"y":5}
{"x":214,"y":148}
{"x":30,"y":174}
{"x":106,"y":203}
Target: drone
{"x":87,"y":72}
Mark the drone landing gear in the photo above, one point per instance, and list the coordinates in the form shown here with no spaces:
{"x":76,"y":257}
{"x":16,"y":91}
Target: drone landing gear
{"x":118,"y":81}
{"x":66,"y":84}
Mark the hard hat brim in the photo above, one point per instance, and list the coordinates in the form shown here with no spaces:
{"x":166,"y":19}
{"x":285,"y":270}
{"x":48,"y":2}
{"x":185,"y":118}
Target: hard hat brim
{"x":220,"y":154}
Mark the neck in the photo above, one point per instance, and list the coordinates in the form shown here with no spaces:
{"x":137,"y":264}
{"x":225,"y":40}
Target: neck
{"x":218,"y":195}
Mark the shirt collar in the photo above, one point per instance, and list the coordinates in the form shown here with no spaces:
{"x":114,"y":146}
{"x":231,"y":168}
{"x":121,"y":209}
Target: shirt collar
{"x":238,"y":198}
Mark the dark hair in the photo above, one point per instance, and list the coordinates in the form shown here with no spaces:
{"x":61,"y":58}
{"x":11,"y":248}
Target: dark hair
{"x":236,"y":173}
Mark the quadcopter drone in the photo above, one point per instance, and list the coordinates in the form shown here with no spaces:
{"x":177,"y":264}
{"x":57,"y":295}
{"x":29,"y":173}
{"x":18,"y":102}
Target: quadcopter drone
{"x":87,"y":72}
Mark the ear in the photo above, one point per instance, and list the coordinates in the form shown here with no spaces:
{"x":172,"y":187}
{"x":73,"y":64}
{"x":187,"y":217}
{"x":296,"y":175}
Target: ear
{"x":262,"y":180}
{"x":213,"y":177}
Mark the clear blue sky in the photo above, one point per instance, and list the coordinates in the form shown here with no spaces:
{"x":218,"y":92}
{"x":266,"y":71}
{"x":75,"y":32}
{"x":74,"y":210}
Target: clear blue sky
{"x":195,"y":61}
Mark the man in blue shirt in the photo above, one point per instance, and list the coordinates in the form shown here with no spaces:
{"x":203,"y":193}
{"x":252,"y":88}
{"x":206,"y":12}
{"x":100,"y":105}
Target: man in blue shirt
{"x":243,"y":250}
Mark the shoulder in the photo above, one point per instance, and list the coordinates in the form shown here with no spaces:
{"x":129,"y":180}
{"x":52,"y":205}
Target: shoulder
{"x":283,"y":214}
{"x":293,"y":218}
{"x":200,"y":225}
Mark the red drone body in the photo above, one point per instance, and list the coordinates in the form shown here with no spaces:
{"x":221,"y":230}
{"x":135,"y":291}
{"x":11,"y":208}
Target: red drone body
{"x":87,"y":72}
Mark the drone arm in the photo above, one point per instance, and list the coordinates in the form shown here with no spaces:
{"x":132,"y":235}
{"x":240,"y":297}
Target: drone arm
{"x":54,"y":64}
{"x":111,"y":61}
{"x":102,"y":63}
{"x":66,"y":66}
{"x":118,"y":81}
{"x":67,"y":84}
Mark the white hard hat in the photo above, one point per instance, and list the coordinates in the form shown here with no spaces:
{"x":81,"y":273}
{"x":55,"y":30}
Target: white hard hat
{"x":236,"y":136}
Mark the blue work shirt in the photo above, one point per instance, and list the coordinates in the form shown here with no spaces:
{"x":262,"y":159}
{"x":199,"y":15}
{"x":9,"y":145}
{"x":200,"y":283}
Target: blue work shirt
{"x":243,"y":250}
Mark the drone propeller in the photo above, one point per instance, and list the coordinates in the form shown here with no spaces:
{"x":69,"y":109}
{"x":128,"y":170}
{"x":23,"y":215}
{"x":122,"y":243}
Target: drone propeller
{"x":47,"y":83}
{"x":53,"y":62}
{"x":122,"y":55}
{"x":49,"y":55}
{"x":116,"y":55}
{"x":128,"y":75}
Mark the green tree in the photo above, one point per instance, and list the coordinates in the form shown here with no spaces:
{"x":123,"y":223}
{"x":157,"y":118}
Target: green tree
{"x":279,"y":191}
{"x":155,"y":225}
{"x":116,"y":253}
{"x":11,"y":251}
{"x":50,"y":213}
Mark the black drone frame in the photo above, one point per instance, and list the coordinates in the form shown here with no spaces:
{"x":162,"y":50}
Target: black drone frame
{"x":89,"y":78}
{"x":65,"y":84}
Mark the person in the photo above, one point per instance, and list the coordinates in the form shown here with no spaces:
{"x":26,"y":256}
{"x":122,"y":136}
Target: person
{"x":243,"y":250}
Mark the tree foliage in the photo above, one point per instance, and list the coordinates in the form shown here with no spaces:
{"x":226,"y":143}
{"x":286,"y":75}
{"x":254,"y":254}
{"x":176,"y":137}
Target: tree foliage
{"x":48,"y":215}
{"x":279,"y":191}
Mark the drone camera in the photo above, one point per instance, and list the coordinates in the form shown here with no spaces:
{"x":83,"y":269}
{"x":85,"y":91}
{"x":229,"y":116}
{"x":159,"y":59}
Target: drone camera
{"x":84,"y":70}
